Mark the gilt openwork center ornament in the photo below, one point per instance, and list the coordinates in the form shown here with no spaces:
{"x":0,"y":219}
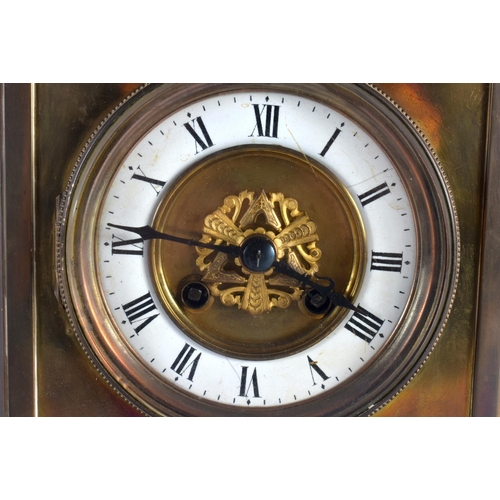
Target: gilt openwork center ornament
{"x":251,"y":308}
{"x":279,"y":229}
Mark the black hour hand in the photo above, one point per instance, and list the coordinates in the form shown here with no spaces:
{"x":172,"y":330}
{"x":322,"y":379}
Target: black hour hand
{"x":326,"y":292}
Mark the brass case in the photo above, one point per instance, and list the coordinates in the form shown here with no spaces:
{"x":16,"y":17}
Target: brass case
{"x":44,"y":370}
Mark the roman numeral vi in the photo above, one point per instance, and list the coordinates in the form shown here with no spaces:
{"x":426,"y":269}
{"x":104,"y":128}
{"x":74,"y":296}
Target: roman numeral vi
{"x":244,"y":388}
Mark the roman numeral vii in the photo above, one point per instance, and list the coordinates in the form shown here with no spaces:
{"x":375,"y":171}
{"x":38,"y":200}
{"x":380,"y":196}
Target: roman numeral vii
{"x":183,"y":361}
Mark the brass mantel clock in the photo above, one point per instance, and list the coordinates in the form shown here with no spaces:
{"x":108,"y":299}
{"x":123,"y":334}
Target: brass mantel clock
{"x":256,"y":250}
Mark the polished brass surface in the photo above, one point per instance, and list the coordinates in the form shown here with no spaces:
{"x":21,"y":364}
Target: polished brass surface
{"x":486,"y":401}
{"x":453,"y":118}
{"x":333,"y":246}
{"x":67,"y":383}
{"x":19,"y":350}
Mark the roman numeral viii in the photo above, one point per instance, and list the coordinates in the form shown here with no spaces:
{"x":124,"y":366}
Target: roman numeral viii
{"x":364,"y":324}
{"x":385,"y":261}
{"x":205,"y":141}
{"x":271,"y":116}
{"x":182,"y":361}
{"x":139,"y":311}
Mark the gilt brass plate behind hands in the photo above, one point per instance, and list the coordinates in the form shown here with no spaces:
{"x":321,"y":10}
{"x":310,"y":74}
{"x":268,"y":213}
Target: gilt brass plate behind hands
{"x":339,"y":234}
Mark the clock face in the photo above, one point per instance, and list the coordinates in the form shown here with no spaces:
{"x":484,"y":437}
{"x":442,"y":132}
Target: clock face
{"x":344,"y":244}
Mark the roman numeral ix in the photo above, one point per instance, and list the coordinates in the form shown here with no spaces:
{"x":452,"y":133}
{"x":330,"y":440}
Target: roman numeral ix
{"x":127,"y":247}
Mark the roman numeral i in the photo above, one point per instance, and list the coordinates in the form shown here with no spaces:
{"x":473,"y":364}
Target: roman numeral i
{"x":328,"y":145}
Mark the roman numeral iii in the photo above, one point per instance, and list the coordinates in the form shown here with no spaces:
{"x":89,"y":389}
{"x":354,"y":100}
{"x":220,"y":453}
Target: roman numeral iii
{"x":385,"y":261}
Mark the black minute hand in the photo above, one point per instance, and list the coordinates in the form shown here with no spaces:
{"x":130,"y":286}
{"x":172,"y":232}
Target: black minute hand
{"x":148,"y":233}
{"x":326,"y":292}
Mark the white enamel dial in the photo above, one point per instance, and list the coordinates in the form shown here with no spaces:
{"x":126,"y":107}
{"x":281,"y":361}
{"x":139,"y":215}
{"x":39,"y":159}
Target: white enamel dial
{"x":215,"y":124}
